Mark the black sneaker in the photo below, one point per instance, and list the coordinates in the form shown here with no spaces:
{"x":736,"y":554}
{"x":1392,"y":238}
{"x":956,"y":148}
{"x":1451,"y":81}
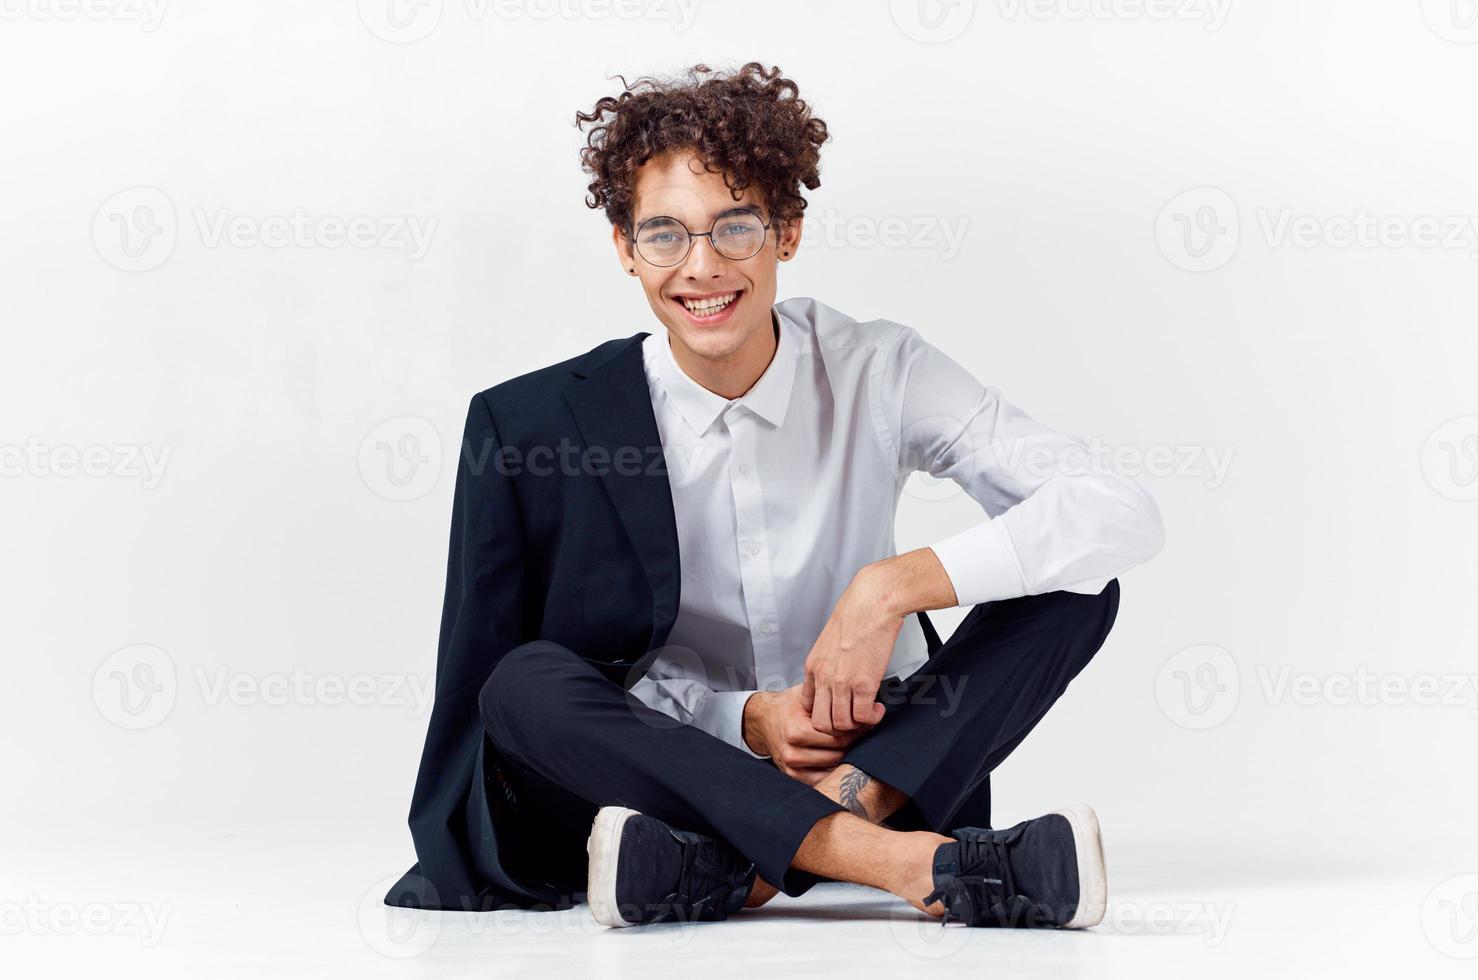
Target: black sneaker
{"x":642,"y":870}
{"x":1042,"y":872}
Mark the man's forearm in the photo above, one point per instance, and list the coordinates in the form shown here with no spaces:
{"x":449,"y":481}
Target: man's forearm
{"x":907,"y":583}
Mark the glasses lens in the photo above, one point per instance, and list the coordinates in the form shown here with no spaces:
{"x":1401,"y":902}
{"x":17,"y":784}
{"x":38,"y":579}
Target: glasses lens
{"x":662,"y":241}
{"x":738,"y":235}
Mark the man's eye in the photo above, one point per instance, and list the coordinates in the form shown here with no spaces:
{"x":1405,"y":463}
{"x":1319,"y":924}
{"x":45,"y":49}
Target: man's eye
{"x":662,"y":237}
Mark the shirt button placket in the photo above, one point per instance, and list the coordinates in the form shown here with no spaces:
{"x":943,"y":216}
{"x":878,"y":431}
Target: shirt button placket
{"x":754,"y":559}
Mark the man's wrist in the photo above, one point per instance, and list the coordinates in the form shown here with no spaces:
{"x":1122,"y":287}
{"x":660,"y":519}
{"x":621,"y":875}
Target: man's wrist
{"x":906,"y":583}
{"x":751,"y":728}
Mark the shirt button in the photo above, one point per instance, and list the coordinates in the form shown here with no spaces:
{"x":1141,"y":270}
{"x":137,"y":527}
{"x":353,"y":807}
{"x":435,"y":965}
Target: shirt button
{"x":743,"y":467}
{"x":764,"y":626}
{"x":754,"y":549}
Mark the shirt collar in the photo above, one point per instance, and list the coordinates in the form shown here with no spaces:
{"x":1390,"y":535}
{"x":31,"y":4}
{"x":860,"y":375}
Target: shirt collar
{"x":769,"y":397}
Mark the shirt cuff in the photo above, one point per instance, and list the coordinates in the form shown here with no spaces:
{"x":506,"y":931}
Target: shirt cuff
{"x":981,"y":564}
{"x":721,"y":714}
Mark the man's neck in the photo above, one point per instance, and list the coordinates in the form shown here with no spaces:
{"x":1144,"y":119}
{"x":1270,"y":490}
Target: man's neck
{"x":736,"y":374}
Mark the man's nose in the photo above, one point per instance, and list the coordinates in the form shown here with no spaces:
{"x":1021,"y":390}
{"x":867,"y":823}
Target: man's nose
{"x":703,"y":261}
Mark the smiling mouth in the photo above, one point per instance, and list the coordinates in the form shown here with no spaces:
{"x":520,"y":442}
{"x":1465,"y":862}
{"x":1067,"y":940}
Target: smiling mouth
{"x":708,"y":307}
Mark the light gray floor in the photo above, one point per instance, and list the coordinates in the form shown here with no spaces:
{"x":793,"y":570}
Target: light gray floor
{"x":298,"y":900}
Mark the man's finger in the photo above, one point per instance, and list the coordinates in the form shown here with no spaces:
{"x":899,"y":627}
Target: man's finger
{"x":808,"y":758}
{"x":865,"y":710}
{"x":841,"y":709}
{"x":808,"y":692}
{"x":812,"y":738}
{"x":821,"y":713}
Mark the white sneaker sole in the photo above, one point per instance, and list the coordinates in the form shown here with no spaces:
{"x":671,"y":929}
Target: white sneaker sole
{"x":1092,"y":878}
{"x":604,"y":849}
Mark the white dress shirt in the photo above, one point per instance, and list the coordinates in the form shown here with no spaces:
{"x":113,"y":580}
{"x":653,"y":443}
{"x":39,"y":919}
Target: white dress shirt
{"x":783,"y":494}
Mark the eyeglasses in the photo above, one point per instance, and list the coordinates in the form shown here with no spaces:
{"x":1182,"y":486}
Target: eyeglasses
{"x":736,"y":234}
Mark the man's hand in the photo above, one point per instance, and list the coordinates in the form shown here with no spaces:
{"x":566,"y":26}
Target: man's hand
{"x":846,"y":663}
{"x":776,"y":724}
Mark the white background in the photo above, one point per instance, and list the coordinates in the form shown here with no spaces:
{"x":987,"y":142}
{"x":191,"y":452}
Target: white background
{"x":1038,"y":156}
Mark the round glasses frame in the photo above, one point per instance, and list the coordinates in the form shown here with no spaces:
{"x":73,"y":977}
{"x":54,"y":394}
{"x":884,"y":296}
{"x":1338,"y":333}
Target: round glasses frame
{"x":766,"y":225}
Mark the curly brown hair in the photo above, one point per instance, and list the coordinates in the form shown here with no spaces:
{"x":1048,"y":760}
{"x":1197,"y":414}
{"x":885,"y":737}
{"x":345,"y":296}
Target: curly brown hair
{"x":750,"y":125}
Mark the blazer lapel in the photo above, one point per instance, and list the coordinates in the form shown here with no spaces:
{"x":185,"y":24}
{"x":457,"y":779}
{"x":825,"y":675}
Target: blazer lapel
{"x":613,"y":409}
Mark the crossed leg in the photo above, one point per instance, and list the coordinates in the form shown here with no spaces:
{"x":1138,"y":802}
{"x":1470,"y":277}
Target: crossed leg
{"x":954,"y":720}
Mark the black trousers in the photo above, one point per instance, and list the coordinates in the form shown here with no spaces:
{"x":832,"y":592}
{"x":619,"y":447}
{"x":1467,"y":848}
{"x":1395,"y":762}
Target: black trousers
{"x":577,"y":741}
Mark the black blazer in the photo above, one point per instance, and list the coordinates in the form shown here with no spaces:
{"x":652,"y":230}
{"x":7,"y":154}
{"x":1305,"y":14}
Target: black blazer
{"x":563,"y":530}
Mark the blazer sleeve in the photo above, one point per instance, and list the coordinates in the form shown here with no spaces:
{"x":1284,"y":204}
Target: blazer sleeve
{"x":482,"y":618}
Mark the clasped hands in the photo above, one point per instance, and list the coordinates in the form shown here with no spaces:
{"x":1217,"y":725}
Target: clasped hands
{"x":807,"y":728}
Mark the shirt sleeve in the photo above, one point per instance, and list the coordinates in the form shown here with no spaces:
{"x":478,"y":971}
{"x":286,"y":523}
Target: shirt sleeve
{"x":1059,"y":517}
{"x":690,"y":701}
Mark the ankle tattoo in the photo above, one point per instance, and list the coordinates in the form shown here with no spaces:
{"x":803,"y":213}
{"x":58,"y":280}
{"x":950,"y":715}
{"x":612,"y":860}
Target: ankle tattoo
{"x":854,"y":781}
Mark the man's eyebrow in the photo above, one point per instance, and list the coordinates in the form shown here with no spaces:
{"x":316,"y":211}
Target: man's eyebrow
{"x":755,"y":207}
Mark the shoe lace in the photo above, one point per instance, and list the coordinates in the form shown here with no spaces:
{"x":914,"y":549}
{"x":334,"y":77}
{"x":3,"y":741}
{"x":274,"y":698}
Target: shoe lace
{"x":989,"y":887}
{"x":708,"y":881}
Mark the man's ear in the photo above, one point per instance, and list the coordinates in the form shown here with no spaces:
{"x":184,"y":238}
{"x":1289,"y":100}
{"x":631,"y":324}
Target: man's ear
{"x":790,"y":238}
{"x":624,"y":252}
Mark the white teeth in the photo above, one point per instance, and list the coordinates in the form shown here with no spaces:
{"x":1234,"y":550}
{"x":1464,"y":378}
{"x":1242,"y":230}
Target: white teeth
{"x":710,"y":305}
